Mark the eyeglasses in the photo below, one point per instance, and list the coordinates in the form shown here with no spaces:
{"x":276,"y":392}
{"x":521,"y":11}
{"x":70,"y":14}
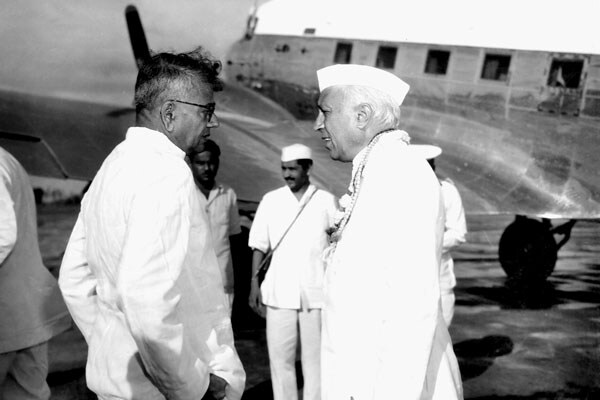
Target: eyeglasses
{"x":210,"y":107}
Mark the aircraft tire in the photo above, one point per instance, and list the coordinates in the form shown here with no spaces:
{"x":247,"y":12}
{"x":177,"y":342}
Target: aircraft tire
{"x":527,"y":250}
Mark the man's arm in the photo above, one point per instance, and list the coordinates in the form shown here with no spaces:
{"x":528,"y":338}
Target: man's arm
{"x":77,"y":282}
{"x":153,"y":255}
{"x":255,"y":298}
{"x":456,"y":225}
{"x":234,"y":216}
{"x":234,"y":230}
{"x":258,"y":240}
{"x":8,"y":223}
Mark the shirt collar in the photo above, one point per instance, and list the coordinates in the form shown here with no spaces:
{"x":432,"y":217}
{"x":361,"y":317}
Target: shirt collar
{"x":217,"y":190}
{"x":154,"y":139}
{"x":311,"y":188}
{"x":386,"y":137}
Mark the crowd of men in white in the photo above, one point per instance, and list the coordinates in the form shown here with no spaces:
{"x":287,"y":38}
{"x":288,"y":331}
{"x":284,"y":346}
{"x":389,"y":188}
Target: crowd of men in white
{"x":365,"y":285}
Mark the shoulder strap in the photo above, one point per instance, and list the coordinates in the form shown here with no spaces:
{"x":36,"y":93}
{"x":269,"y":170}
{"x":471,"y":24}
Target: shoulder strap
{"x":270,"y":253}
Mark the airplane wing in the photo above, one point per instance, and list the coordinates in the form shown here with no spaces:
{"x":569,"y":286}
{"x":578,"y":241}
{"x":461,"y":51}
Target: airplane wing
{"x":529,"y":164}
{"x":65,"y":98}
{"x":59,"y":137}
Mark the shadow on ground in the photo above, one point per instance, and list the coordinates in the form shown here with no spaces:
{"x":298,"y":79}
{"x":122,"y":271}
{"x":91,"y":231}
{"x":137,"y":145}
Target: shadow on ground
{"x":264,"y":390}
{"x":475,"y":356}
{"x":573,"y":392}
{"x":544,"y":295}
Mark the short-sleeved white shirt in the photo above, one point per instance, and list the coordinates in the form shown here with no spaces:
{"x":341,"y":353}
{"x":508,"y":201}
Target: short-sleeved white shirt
{"x":221,"y":208}
{"x":297,"y":266}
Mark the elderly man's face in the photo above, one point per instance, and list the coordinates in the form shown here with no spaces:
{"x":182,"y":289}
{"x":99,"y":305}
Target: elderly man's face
{"x":194,"y":122}
{"x":335,"y":123}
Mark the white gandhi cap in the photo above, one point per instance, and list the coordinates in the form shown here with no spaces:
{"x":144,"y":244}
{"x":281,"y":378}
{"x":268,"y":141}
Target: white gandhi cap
{"x":295,"y":152}
{"x":363,"y":75}
{"x":426,"y":151}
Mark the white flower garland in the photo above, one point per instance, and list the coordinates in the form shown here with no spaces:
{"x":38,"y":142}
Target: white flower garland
{"x":348,"y":200}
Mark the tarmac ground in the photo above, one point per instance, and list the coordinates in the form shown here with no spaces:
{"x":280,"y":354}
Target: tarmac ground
{"x":512,"y":341}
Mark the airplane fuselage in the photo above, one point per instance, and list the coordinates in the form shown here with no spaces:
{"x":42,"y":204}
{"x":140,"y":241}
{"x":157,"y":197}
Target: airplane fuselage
{"x":528,"y":121}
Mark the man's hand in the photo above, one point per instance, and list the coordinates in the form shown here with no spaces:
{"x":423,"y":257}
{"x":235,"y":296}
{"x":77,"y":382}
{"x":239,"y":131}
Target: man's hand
{"x":255,"y":299}
{"x":216,"y":388}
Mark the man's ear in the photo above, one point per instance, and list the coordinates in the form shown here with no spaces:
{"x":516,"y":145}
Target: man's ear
{"x":363,"y":115}
{"x":167,"y":115}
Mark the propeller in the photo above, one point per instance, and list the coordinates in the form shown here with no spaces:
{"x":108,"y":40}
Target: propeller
{"x":136,"y":35}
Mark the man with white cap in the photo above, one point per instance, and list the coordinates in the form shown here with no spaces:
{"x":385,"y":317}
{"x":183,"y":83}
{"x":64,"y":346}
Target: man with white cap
{"x":455,"y":229}
{"x":384,"y":336}
{"x":291,"y":222}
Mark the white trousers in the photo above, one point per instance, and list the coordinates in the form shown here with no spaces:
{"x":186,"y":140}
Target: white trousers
{"x":23,"y":374}
{"x":283,"y":326}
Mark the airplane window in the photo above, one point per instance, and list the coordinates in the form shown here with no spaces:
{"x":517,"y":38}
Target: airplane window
{"x":343,"y":53}
{"x":309,"y":31}
{"x":495,"y":67}
{"x":386,"y":57}
{"x":437,"y":62}
{"x":565,"y":73}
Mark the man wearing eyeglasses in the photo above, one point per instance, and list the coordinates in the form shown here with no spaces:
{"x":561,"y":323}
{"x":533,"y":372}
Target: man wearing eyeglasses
{"x":140,"y":275}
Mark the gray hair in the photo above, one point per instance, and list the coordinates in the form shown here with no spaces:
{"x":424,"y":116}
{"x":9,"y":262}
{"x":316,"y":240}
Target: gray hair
{"x":167,"y":75}
{"x":386,"y":110}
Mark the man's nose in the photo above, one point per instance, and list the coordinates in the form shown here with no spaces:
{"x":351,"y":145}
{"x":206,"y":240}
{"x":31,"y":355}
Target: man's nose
{"x":213,"y":122}
{"x":318,"y":122}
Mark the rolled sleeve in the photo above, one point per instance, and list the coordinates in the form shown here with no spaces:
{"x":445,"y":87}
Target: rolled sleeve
{"x":258,"y":238}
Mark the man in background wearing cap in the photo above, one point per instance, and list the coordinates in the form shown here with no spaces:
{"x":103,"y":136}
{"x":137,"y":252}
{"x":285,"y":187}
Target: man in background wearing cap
{"x":220,"y":203}
{"x":292,"y":288}
{"x":455,"y":229}
{"x":384,"y":336}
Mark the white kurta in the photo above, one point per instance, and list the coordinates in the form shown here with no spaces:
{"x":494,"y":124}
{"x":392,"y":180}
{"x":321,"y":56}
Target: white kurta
{"x":221,"y":207}
{"x":383,"y":333}
{"x":147,"y":298}
{"x":31,"y":308}
{"x":297,"y":265}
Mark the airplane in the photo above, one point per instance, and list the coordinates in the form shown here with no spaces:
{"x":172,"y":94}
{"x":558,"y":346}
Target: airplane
{"x":66,"y":86}
{"x":65,"y":102}
{"x":510,"y":92}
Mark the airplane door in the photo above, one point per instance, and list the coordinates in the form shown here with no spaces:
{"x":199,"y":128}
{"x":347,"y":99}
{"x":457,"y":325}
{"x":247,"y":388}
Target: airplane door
{"x":564,"y":86}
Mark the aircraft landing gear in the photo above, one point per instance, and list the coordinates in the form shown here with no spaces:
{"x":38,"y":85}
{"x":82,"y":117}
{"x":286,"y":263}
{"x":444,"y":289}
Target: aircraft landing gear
{"x":528,"y":251}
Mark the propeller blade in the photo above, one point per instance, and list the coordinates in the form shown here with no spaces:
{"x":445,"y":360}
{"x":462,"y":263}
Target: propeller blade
{"x":136,"y":35}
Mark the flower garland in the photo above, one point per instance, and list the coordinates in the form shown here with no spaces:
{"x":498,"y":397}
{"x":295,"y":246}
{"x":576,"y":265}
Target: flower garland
{"x":348,"y":200}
